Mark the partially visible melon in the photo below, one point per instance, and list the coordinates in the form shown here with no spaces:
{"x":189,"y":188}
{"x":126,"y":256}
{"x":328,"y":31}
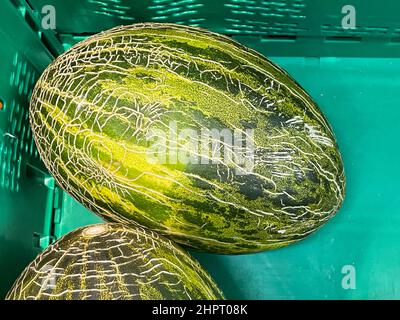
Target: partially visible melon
{"x":116,"y":262}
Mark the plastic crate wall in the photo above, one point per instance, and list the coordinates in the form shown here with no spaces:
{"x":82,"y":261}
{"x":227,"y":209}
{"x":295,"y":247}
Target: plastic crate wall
{"x":276,"y":27}
{"x":34,"y":211}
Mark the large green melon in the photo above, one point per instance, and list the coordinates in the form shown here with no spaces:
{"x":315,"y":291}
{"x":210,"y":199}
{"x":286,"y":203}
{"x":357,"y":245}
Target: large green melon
{"x":114,"y":262}
{"x":189,"y":133}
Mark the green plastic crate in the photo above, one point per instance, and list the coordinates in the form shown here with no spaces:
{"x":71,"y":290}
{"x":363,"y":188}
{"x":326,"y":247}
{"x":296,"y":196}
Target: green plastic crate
{"x":352,"y":74}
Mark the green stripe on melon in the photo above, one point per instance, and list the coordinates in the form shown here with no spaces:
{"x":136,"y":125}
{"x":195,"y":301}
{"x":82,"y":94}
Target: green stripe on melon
{"x":94,"y":106}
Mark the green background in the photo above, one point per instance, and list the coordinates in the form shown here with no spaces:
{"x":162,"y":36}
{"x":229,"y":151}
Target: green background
{"x":354,"y":77}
